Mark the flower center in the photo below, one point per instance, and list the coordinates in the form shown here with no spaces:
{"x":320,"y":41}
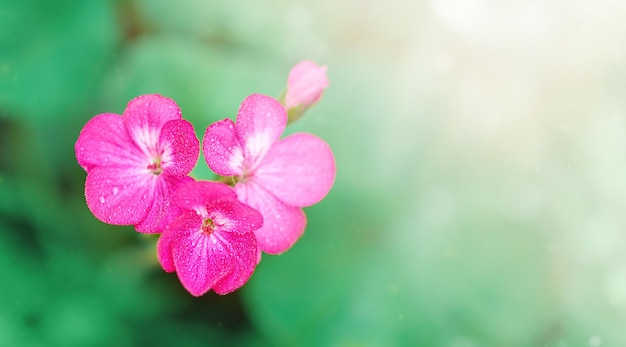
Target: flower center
{"x":247,"y":174}
{"x":155,"y":167}
{"x":207,"y":226}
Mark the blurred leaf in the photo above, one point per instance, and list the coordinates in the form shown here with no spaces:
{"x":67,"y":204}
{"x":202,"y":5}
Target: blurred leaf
{"x":295,"y":297}
{"x":56,"y":51}
{"x":371,"y":275}
{"x":52,"y":60}
{"x":236,"y":23}
{"x":20,"y":293}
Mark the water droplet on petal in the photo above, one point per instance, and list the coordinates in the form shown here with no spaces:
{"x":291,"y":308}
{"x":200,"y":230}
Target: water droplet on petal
{"x":115,"y":190}
{"x":102,"y":200}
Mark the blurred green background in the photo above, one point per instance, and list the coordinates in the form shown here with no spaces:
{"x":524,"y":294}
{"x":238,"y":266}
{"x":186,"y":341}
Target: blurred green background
{"x":480,"y":192}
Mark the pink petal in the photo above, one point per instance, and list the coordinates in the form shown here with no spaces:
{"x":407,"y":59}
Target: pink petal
{"x":186,"y":223}
{"x":244,"y":248}
{"x":230,"y":215}
{"x":104,"y":141}
{"x":282,"y":224}
{"x":261,"y":121}
{"x":201,"y":261}
{"x":144,"y":117}
{"x":299,"y":170}
{"x":181,"y":147}
{"x":305,"y":84}
{"x":196,"y":195}
{"x":119,"y":196}
{"x":222,"y":151}
{"x":150,"y":110}
{"x":162,"y":210}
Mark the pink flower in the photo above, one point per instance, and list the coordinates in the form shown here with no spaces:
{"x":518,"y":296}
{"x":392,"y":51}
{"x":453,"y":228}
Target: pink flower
{"x":211,"y":244}
{"x":135,"y":161}
{"x":305,"y":84}
{"x":277,"y":177}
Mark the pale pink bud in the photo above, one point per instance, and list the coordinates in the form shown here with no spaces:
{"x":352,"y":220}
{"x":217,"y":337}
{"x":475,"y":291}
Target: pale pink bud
{"x":305,"y":84}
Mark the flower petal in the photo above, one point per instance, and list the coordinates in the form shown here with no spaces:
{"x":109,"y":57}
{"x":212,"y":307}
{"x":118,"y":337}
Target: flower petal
{"x":299,"y":170}
{"x":104,"y":141}
{"x":186,"y":223}
{"x":222,"y":151}
{"x":232,"y":216}
{"x":150,"y":110}
{"x":144,"y":117}
{"x":196,"y":195}
{"x":162,"y":210}
{"x":282,"y":224}
{"x":181,"y":147}
{"x":119,"y":196}
{"x":244,"y":248}
{"x":261,"y":121}
{"x":201,"y":261}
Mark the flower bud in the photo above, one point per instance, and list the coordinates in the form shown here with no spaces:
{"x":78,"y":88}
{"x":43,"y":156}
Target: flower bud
{"x":305,"y":85}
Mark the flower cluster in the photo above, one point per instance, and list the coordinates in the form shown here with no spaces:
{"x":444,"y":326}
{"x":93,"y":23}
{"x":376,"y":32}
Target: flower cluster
{"x":138,"y":168}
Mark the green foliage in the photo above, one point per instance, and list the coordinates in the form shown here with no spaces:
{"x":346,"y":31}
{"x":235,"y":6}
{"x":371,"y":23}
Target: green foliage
{"x":53,"y":55}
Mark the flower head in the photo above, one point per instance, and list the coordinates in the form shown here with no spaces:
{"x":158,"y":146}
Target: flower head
{"x":305,"y":85}
{"x":135,"y":161}
{"x":276,"y":177}
{"x":211,"y":244}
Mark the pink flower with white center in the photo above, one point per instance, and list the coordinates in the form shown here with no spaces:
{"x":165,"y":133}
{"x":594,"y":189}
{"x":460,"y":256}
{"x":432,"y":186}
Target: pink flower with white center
{"x":134,"y":162}
{"x":276,"y":177}
{"x":305,"y":84}
{"x":211,"y":244}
